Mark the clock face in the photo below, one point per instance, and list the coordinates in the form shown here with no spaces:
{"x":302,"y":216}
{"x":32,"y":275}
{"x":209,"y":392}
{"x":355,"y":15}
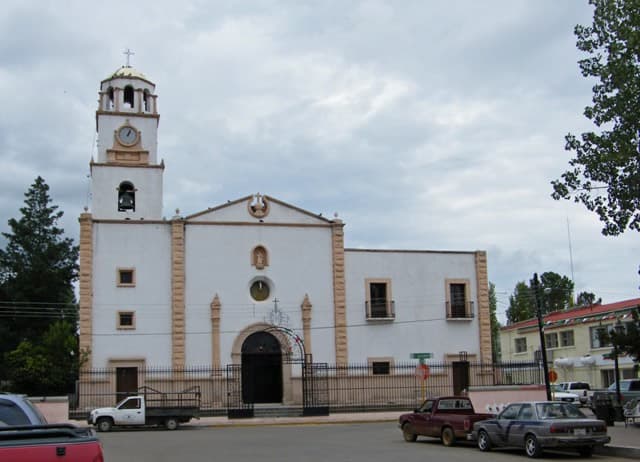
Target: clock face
{"x":127,"y":135}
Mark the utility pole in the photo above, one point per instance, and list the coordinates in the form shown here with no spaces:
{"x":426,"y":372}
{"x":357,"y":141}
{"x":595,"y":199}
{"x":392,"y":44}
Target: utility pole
{"x":543,"y":348}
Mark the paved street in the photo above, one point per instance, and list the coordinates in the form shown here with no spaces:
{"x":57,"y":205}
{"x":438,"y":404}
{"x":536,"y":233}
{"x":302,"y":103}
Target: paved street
{"x":366,"y":442}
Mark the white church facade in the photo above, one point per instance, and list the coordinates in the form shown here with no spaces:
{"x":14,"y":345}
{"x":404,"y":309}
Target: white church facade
{"x":250,"y":280}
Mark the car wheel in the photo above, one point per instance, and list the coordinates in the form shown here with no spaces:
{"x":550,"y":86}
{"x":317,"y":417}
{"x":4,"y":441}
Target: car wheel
{"x":104,"y":424}
{"x":484,"y":443}
{"x":532,"y":447}
{"x":448,"y":437}
{"x":171,"y":423}
{"x":586,"y":451}
{"x":407,"y":433}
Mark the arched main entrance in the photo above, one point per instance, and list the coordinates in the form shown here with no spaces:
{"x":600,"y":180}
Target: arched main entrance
{"x":261,"y":369}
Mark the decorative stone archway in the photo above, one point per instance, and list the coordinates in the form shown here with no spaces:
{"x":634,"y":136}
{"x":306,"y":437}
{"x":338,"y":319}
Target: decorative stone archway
{"x":285,"y":347}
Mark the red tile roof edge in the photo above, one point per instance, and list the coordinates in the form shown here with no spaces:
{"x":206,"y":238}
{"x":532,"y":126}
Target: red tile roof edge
{"x":577,"y":312}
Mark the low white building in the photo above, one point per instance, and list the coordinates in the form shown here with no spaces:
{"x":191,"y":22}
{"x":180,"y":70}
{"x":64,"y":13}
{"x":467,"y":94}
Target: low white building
{"x":250,"y":282}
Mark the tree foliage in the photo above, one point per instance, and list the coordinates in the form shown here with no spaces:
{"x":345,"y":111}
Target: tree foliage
{"x":38,"y":267}
{"x":47,"y":366}
{"x":605,"y":174}
{"x":555,"y":293}
{"x":587,"y":299}
{"x":627,"y":340}
{"x":495,"y":325}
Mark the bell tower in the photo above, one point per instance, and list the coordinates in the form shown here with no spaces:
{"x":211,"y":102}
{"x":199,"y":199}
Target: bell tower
{"x":126,"y":178}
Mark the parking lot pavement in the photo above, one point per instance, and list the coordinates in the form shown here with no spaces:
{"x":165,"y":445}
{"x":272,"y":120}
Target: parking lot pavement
{"x":625,"y":441}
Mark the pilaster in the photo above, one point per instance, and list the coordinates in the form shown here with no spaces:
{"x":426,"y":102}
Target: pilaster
{"x":339,"y":293}
{"x":86,"y":287}
{"x":177,"y":294}
{"x":215,"y":333}
{"x":484,"y":312}
{"x":306,"y":323}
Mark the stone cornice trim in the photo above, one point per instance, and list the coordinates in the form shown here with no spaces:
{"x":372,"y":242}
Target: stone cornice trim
{"x":248,"y":223}
{"x":448,"y":252}
{"x":140,"y":221}
{"x":144,"y":115}
{"x":269,"y":199}
{"x":93,"y":165}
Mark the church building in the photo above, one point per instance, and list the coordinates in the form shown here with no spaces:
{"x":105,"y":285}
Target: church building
{"x":253,"y":281}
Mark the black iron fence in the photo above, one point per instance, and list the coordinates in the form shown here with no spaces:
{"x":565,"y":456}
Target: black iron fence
{"x":362,"y":387}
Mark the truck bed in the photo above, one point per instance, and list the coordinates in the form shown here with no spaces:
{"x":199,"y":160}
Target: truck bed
{"x":43,"y":443}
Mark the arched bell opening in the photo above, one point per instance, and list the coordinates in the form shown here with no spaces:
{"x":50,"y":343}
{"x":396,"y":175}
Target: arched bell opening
{"x":126,"y":197}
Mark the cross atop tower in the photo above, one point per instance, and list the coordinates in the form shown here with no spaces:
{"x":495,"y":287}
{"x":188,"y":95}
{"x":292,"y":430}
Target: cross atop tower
{"x":129,"y":53}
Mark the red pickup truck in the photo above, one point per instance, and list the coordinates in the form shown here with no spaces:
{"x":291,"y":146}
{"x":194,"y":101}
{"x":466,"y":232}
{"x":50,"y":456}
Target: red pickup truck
{"x":448,"y":418}
{"x":49,"y":443}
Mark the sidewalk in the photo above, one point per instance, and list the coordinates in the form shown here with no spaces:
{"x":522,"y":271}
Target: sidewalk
{"x":625,"y":441}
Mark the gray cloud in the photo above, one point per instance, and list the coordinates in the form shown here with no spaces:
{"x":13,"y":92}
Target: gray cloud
{"x":425,"y":125}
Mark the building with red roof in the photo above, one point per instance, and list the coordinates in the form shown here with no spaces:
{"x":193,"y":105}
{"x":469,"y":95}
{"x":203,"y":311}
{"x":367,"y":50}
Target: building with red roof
{"x":574,"y":344}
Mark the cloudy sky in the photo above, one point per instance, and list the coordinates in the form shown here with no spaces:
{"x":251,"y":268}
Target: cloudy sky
{"x":423,"y":124}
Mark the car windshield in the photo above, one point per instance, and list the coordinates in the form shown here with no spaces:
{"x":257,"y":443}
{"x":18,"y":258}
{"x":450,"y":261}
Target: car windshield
{"x":558,"y":411}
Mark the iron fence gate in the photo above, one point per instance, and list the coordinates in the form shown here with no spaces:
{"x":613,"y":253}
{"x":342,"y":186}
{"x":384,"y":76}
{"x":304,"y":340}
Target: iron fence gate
{"x":236,"y":407}
{"x":315,"y":389}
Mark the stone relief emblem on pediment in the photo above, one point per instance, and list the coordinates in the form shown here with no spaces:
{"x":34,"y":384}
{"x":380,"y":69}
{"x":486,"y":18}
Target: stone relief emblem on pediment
{"x":258,"y":206}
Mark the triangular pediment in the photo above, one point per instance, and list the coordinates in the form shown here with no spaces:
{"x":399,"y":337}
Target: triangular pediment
{"x":258,"y":208}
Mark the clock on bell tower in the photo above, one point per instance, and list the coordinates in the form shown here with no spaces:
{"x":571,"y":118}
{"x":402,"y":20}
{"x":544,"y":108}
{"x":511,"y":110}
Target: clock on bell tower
{"x":126,"y":178}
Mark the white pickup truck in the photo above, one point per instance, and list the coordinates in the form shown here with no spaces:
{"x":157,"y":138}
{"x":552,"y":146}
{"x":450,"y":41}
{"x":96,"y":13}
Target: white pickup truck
{"x":149,"y":407}
{"x":582,"y":389}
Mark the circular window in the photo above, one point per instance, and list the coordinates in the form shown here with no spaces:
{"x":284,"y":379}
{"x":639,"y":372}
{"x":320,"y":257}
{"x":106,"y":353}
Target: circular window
{"x":259,"y":290}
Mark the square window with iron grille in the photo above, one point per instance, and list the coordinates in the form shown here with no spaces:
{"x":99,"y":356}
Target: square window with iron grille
{"x":458,"y":300}
{"x":380,"y":368}
{"x":458,"y":305}
{"x":126,"y":320}
{"x":566,"y":338}
{"x":551,"y":340}
{"x":521,"y":345}
{"x":379,"y":304}
{"x":126,"y":277}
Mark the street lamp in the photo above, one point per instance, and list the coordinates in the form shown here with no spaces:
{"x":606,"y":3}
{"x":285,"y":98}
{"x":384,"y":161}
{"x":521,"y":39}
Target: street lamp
{"x":543,"y":348}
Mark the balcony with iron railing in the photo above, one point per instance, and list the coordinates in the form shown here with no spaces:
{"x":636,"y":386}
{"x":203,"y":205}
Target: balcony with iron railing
{"x":460,"y":311}
{"x":380,"y":310}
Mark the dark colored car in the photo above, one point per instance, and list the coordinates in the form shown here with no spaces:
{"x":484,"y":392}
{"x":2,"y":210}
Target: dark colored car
{"x":449,"y":418}
{"x":538,"y":425}
{"x":18,"y":410}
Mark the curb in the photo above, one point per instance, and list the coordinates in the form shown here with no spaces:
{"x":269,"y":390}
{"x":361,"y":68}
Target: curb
{"x":618,"y":451}
{"x":258,"y":423}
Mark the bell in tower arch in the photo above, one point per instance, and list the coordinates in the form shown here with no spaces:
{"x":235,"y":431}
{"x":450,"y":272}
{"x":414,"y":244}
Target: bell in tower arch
{"x":126,"y":197}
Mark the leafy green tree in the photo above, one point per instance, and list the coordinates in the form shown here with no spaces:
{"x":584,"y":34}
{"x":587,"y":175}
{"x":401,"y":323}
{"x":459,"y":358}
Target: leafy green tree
{"x":555,"y":293}
{"x":627,"y":340}
{"x":49,"y":366}
{"x":605,"y":174}
{"x":37,"y":270}
{"x":587,"y":299}
{"x":495,"y":325}
{"x":521,"y":304}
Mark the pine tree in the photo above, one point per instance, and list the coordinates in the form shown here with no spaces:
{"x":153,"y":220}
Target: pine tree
{"x":37,"y":270}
